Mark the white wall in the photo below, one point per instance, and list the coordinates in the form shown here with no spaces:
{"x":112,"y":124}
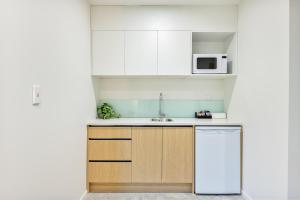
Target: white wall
{"x":149,"y":88}
{"x":260,"y":96}
{"x":294,"y":125}
{"x":43,"y":148}
{"x":204,"y":18}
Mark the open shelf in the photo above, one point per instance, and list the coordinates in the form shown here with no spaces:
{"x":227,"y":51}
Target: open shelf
{"x":192,"y":76}
{"x":212,"y":76}
{"x":217,"y":43}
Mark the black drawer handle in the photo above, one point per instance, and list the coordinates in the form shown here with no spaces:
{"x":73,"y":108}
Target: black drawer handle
{"x":109,"y":160}
{"x":109,"y":138}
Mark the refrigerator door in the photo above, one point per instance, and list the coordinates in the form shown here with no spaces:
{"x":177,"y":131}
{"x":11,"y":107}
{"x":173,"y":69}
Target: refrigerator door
{"x":218,"y":160}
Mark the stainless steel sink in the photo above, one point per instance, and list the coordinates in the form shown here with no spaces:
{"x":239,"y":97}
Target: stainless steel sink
{"x":162,"y":120}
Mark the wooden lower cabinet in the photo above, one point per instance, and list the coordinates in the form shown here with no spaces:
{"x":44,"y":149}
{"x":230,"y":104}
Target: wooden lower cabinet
{"x":177,"y":163}
{"x":140,"y":159}
{"x":146,"y":155}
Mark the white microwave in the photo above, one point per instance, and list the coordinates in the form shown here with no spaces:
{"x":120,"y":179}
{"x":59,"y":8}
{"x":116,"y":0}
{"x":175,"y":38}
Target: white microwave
{"x":209,"y":63}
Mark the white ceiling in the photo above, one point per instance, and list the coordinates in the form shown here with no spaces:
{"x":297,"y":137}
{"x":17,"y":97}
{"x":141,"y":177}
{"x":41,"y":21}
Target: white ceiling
{"x":164,"y":2}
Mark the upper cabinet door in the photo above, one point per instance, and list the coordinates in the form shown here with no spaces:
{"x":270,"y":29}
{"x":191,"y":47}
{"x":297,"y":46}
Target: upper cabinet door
{"x":108,"y":52}
{"x":174,"y":53}
{"x":141,"y":52}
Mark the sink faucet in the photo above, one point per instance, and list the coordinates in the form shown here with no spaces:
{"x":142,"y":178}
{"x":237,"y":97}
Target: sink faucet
{"x":160,"y":113}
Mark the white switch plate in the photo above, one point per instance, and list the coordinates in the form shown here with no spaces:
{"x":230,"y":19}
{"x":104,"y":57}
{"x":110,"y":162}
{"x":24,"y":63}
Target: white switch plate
{"x":36,"y":95}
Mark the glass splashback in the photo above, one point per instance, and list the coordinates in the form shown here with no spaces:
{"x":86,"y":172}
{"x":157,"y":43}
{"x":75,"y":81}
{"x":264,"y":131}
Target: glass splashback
{"x":140,"y":108}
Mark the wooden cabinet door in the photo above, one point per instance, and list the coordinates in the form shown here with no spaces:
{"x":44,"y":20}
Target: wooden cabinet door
{"x":108,"y":52}
{"x":146,"y":155}
{"x":141,"y":52}
{"x":177,"y":155}
{"x":174,"y":53}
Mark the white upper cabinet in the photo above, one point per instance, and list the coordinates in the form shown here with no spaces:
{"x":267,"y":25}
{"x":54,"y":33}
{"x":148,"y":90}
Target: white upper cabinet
{"x":108,"y":52}
{"x":174,"y":52}
{"x":140,"y":52}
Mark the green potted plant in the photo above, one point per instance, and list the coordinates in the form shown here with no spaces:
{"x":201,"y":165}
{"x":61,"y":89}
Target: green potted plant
{"x":106,"y":111}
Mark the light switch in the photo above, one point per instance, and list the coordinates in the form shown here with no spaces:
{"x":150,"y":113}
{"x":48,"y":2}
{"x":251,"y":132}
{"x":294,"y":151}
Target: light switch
{"x":36,"y":96}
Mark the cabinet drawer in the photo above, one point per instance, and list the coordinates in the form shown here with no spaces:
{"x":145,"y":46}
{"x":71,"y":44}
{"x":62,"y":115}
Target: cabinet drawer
{"x":109,"y":150}
{"x":109,"y":132}
{"x":109,"y":172}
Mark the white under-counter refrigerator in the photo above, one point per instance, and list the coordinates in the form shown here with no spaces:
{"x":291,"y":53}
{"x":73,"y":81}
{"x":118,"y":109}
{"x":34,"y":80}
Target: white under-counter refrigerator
{"x":218,"y":160}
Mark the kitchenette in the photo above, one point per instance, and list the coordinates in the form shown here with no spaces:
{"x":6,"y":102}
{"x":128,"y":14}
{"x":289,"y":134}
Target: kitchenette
{"x":163,"y":84}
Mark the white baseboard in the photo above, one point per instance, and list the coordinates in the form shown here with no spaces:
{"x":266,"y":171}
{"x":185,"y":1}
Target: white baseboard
{"x":246,"y":196}
{"x":83,"y":195}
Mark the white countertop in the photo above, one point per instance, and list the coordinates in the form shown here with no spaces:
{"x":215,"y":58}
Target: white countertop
{"x":148,"y":122}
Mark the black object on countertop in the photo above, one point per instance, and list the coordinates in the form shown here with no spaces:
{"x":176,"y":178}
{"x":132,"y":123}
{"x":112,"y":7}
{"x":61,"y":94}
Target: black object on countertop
{"x":203,"y":114}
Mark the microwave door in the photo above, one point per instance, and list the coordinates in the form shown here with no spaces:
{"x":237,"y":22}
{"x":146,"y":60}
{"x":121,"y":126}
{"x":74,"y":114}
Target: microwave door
{"x":207,"y":65}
